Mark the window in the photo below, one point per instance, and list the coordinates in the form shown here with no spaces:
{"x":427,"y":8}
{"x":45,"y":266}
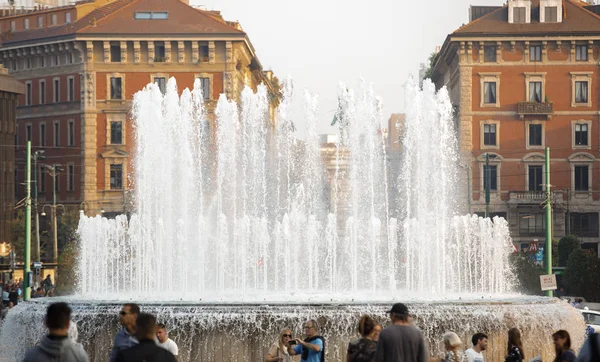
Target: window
{"x":71,"y":138}
{"x":28,"y":132}
{"x":56,"y":134}
{"x":203,"y":50}
{"x":489,"y":93}
{"x":70,"y":58}
{"x":116,"y":132}
{"x":28,"y":94}
{"x":116,"y":88}
{"x":42,"y":62}
{"x":535,"y":53}
{"x":68,"y":18}
{"x":531,"y":224}
{"x":13,"y":26}
{"x":519,"y":15}
{"x":115,"y":53}
{"x":581,"y":134}
{"x":54,"y":18}
{"x":205,"y":84}
{"x":56,"y":90}
{"x":70,"y":177}
{"x":42,"y":179}
{"x":584,"y":224}
{"x":535,"y":134}
{"x":159,"y":52}
{"x":26,"y":24}
{"x":489,"y":134}
{"x":146,"y":15}
{"x":42,"y":135}
{"x":551,"y":14}
{"x":581,"y":91}
{"x":40,"y":21}
{"x":489,"y":53}
{"x":581,"y":53}
{"x":535,"y":177}
{"x":116,"y":177}
{"x":581,"y":178}
{"x":535,"y":92}
{"x":28,"y":63}
{"x":162,"y":84}
{"x":492,"y":181}
{"x":56,"y":60}
{"x":71,"y":93}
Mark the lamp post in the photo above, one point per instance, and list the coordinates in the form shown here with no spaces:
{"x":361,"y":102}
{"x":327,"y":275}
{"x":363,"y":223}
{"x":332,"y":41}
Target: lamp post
{"x":53,"y":171}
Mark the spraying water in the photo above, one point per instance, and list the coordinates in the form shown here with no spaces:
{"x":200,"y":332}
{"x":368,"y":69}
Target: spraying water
{"x":246,"y":212}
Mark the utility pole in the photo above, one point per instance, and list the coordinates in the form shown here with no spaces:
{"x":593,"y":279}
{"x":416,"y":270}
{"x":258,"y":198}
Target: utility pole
{"x":37,"y":155}
{"x":26,"y":264}
{"x":487,"y":185}
{"x":54,"y":170}
{"x":548,"y":207}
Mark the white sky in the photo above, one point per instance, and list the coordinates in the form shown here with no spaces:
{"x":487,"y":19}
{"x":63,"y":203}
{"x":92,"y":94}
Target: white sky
{"x":322,"y":42}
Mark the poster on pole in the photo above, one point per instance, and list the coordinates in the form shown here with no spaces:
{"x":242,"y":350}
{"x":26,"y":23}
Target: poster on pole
{"x":548,"y":282}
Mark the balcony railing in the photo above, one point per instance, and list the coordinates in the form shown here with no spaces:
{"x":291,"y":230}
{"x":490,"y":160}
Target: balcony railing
{"x":528,"y":195}
{"x":534,"y":109}
{"x":532,"y":231}
{"x":584,"y":232}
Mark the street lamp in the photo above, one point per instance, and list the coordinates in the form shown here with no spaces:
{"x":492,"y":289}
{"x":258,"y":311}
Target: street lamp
{"x":53,"y":208}
{"x":37,"y":155}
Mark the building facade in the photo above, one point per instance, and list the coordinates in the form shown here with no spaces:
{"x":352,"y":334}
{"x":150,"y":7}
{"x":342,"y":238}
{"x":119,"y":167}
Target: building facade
{"x":523,"y":77}
{"x":10,"y":89}
{"x":81,"y":65}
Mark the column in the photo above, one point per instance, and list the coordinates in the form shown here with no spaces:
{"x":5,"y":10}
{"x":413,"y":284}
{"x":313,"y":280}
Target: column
{"x":106,"y":46}
{"x":181,"y":51}
{"x":151,"y":54}
{"x":195,"y":56}
{"x":167,"y":51}
{"x":481,"y":53}
{"x":123,"y":46}
{"x":136,"y":52}
{"x":90,"y":155}
{"x":211,"y":52}
{"x":89,"y":51}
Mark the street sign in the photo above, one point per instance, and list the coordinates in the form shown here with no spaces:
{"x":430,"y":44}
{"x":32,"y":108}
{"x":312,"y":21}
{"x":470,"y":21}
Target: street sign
{"x":548,"y":282}
{"x":37,"y":265}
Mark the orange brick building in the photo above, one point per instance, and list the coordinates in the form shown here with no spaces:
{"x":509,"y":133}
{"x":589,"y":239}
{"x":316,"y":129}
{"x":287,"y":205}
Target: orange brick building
{"x":81,"y":65}
{"x":522,"y":77}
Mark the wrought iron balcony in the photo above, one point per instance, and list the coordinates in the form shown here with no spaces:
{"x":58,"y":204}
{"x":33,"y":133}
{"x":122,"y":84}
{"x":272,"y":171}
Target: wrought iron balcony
{"x":535,"y":109}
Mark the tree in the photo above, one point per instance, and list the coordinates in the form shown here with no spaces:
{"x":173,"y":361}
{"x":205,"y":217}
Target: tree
{"x":68,"y":246}
{"x":566,"y":246}
{"x":527,"y":273}
{"x":582,"y":274}
{"x":429,"y":71}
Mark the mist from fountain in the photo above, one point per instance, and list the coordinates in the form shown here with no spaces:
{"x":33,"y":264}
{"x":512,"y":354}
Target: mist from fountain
{"x":240,"y":210}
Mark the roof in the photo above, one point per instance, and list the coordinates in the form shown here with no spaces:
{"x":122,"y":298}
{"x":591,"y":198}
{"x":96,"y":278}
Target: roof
{"x":183,"y":19}
{"x":117,"y":18}
{"x":577,"y":20}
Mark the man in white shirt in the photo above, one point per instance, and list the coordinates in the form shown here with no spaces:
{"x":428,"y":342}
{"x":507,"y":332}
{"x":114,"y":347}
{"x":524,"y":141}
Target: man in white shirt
{"x":479,"y":345}
{"x":164,"y":341}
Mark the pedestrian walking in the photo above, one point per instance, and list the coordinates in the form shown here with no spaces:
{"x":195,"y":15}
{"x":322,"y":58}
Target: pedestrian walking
{"x":13,"y":296}
{"x":311,"y":349}
{"x":515,"y":352}
{"x":279,"y":349}
{"x":146,"y":350}
{"x":590,"y":351}
{"x":562,"y":346}
{"x":453,"y":344}
{"x":164,"y":341}
{"x":57,"y":346}
{"x":364,"y":348}
{"x":401,"y":341}
{"x":125,"y":338}
{"x":474,"y":354}
{"x":47,"y":284}
{"x":5,"y":295}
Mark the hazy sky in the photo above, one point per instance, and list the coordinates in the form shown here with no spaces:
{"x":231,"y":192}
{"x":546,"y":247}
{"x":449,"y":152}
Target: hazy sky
{"x":322,"y":42}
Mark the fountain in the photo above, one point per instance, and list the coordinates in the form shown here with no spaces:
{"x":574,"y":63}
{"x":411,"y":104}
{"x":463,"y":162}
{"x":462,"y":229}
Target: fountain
{"x":241,"y":229}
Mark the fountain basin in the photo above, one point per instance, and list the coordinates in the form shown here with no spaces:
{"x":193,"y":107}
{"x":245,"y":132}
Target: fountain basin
{"x":212,"y":332}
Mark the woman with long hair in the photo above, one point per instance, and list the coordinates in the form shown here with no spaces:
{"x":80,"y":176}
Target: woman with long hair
{"x":279,"y":349}
{"x":515,"y":351}
{"x":452,"y":344}
{"x":364,"y":348}
{"x":562,"y":346}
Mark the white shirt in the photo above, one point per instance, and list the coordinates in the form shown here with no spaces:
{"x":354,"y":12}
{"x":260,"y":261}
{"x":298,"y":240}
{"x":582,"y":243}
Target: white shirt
{"x":170,"y":346}
{"x":473,"y":356}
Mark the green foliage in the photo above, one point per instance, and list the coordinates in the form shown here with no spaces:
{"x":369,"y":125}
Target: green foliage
{"x":527,"y":274}
{"x":566,"y":246}
{"x":554,"y":252}
{"x":68,"y":246}
{"x":582,"y":275}
{"x":429,"y":71}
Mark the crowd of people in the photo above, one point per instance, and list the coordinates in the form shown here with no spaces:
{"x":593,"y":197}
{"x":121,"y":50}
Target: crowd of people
{"x":141,"y":339}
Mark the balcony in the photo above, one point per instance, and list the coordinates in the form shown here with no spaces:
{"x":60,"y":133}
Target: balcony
{"x":532,"y":197}
{"x":535,"y":109}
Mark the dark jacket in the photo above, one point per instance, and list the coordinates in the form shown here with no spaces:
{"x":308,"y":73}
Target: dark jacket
{"x":515,"y":355}
{"x":145,"y":351}
{"x":54,"y":348}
